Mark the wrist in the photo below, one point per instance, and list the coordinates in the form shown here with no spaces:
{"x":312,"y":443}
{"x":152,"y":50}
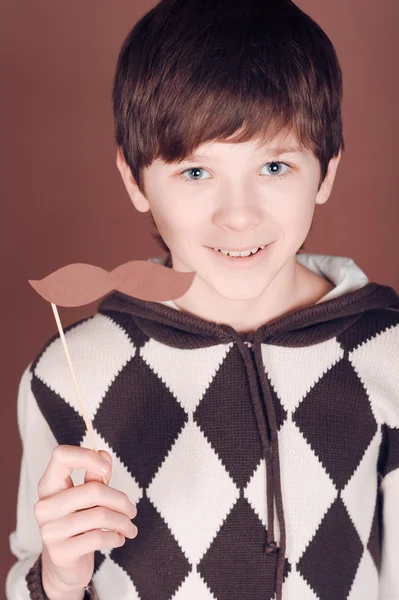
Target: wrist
{"x":39,"y":586}
{"x":52,"y":594}
{"x":55,"y":589}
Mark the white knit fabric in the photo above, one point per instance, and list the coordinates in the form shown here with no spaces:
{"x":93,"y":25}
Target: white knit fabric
{"x":99,"y":350}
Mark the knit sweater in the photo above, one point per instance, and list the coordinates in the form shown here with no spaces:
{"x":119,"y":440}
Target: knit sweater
{"x":264,"y":465}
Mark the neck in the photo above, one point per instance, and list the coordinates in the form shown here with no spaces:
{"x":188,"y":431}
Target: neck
{"x":292,"y":288}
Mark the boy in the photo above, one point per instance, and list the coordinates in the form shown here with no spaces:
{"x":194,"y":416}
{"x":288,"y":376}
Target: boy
{"x":253,"y":423}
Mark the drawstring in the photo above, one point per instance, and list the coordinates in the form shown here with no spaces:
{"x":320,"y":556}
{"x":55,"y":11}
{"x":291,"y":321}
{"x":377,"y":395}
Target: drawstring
{"x":276,"y":467}
{"x":267,"y":427}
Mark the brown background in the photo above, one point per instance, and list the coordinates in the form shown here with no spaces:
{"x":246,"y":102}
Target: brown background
{"x":62,"y":198}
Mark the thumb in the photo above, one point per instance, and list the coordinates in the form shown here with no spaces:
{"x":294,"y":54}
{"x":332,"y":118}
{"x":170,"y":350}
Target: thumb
{"x":90,"y":476}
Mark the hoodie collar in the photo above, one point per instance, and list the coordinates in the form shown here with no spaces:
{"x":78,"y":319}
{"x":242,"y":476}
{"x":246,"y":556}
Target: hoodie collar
{"x":343,"y":305}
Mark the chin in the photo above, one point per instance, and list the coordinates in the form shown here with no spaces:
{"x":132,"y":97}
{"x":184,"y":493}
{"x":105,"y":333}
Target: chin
{"x":234,"y":294}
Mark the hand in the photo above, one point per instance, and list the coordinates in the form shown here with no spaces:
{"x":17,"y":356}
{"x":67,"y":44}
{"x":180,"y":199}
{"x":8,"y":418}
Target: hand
{"x":75,"y":521}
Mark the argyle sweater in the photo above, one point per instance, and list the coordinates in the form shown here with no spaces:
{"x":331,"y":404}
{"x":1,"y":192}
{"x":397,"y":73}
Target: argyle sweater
{"x":264,"y":465}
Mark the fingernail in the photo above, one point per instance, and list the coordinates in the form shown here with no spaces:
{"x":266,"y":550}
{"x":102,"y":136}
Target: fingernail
{"x":104,"y":466}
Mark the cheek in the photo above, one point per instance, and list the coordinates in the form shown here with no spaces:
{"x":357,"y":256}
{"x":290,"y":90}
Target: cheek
{"x":175,"y":225}
{"x":294,"y":215}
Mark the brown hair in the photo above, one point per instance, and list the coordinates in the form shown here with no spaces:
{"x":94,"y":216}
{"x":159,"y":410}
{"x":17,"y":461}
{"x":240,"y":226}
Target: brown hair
{"x":192,"y":71}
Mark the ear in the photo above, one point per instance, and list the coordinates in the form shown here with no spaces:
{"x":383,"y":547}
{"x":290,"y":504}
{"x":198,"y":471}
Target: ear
{"x":325,"y":190}
{"x":137,"y":197}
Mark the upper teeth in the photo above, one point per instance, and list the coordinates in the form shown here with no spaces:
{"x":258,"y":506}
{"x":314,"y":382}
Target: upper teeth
{"x":246,"y":253}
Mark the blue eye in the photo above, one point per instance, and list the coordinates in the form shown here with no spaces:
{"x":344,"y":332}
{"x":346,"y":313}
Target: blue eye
{"x":274,"y":166}
{"x":196,"y":173}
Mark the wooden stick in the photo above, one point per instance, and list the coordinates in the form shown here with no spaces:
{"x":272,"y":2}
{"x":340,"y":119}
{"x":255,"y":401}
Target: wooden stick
{"x":85,"y":417}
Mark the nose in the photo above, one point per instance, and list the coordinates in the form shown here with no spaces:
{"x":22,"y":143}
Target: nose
{"x":238,"y":208}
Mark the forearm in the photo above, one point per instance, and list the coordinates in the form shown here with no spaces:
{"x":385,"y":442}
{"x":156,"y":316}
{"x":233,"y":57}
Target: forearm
{"x":53,"y":593}
{"x":53,"y":589}
{"x":43,"y":588}
{"x":56,"y":595}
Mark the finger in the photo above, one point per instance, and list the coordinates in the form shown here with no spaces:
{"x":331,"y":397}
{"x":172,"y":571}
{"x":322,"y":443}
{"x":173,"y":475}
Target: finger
{"x":95,"y":476}
{"x":81,"y":497}
{"x":76,"y":523}
{"x":63,"y":461}
{"x":83,"y":544}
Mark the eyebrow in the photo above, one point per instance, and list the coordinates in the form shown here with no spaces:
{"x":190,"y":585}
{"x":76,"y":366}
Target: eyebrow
{"x":287,"y":150}
{"x":272,"y":151}
{"x":195,"y":157}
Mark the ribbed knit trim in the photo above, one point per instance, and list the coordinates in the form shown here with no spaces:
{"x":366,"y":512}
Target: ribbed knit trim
{"x":303,"y":327}
{"x":35,"y":584}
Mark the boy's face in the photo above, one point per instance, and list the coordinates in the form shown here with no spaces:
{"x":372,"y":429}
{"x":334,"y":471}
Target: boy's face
{"x":234,"y":195}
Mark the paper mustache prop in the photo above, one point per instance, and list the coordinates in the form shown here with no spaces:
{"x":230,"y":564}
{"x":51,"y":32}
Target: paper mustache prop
{"x":79,"y":284}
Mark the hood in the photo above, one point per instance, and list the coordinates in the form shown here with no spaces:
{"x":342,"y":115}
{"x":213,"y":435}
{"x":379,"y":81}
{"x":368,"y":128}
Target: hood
{"x":345,"y":304}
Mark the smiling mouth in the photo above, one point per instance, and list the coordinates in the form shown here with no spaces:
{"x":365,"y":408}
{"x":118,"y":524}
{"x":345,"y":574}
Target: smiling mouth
{"x":251,"y":259}
{"x":234,"y":254}
{"x":236,"y":251}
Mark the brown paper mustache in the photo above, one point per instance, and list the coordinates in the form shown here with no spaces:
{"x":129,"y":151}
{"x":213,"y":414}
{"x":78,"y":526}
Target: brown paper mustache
{"x":79,"y":284}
